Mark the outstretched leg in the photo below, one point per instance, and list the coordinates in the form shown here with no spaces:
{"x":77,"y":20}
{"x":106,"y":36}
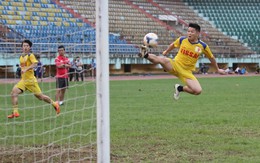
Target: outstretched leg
{"x":164,"y":62}
{"x":50,"y":101}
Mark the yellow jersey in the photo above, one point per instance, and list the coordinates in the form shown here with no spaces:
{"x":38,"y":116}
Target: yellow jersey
{"x":26,"y":61}
{"x":189,"y":53}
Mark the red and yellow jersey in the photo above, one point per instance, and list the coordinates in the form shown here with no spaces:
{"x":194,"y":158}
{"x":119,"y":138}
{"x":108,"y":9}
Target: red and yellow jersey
{"x":189,"y":53}
{"x":26,"y":61}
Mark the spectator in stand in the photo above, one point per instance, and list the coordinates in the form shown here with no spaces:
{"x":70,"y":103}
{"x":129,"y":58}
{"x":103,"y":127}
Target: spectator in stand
{"x":62,"y":65}
{"x":257,"y":69}
{"x":79,"y":69}
{"x":229,"y":71}
{"x":243,"y":71}
{"x":38,"y":71}
{"x":237,"y":70}
{"x":72,"y":69}
{"x":18,"y":71}
{"x":93,"y":68}
{"x":204,"y":69}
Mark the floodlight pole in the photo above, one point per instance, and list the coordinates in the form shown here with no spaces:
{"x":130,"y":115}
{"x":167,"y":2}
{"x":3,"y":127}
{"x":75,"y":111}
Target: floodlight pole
{"x":102,"y":81}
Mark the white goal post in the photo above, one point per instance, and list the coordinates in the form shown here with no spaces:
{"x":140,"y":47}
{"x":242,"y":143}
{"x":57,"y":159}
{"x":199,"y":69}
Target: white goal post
{"x":102,"y":81}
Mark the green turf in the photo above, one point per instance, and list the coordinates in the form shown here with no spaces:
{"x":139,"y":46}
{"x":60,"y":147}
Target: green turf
{"x":147,"y":125}
{"x":220,"y":125}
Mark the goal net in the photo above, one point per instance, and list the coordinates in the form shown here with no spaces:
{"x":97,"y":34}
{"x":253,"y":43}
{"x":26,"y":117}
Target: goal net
{"x":39,"y":135}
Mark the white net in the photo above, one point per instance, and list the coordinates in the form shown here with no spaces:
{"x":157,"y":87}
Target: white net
{"x":38,"y":135}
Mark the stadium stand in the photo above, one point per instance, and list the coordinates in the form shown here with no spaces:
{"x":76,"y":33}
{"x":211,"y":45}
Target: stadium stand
{"x":73,"y":22}
{"x":46,"y":22}
{"x":8,"y":38}
{"x":132,"y":19}
{"x":125,"y":20}
{"x":236,"y":18}
{"x":220,"y":43}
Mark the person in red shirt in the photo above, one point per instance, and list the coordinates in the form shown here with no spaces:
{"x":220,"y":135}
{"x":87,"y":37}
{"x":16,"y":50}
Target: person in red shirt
{"x":62,"y":65}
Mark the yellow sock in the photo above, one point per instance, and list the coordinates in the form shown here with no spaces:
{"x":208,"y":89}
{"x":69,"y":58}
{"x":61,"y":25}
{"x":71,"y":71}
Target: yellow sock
{"x":53,"y":103}
{"x":15,"y":109}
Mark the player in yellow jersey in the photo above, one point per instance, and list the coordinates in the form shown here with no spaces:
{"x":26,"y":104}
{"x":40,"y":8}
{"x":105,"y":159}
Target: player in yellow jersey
{"x":190,"y":48}
{"x":28,"y":81}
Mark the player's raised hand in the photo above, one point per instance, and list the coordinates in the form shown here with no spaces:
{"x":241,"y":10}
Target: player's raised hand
{"x":164,"y":53}
{"x":221,"y":71}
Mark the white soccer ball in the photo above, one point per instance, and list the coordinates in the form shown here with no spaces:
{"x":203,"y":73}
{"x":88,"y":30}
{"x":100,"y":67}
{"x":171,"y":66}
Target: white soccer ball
{"x":151,"y":40}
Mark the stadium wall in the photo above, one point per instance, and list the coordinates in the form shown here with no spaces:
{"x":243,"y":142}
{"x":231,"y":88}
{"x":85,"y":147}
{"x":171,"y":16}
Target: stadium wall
{"x":129,"y":66}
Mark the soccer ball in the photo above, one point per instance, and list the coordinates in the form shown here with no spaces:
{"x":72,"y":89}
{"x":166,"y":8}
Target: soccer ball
{"x":151,"y":40}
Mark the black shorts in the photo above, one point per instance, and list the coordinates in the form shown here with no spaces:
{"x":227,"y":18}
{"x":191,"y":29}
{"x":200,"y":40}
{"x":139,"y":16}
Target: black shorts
{"x":62,"y":83}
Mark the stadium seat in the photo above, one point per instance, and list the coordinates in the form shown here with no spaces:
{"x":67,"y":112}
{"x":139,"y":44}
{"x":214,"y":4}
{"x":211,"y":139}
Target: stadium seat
{"x":232,"y":15}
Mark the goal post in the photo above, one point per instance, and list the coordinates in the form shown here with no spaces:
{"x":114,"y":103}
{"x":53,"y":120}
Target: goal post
{"x":102,"y":81}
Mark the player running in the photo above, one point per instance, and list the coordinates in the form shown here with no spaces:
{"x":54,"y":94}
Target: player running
{"x":190,"y":48}
{"x":28,"y":81}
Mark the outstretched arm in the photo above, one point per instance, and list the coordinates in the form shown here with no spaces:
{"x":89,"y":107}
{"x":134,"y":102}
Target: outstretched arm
{"x":214,"y":63}
{"x":170,"y":48}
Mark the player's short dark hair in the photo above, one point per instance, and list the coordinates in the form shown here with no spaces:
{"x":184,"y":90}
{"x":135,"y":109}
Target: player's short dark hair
{"x":28,"y":42}
{"x":195,"y":25}
{"x":61,"y":47}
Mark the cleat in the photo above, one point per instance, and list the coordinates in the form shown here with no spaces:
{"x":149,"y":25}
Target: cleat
{"x":13,"y":115}
{"x":61,"y":103}
{"x":143,"y":51}
{"x":176,"y":94}
{"x":57,"y":107}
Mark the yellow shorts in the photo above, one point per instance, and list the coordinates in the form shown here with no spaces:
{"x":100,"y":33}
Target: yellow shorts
{"x":30,"y":86}
{"x":180,"y":72}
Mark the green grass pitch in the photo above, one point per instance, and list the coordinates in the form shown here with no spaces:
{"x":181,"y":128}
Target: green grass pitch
{"x":147,"y":125}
